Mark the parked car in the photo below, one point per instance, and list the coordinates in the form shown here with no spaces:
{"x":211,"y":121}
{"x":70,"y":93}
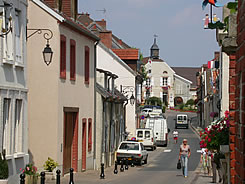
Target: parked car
{"x":146,"y":111}
{"x":160,"y":128}
{"x":181,"y":120}
{"x":133,"y":151}
{"x":146,"y":136}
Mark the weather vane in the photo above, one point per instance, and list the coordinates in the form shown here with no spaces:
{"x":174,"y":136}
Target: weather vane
{"x":212,"y":22}
{"x":103,"y":11}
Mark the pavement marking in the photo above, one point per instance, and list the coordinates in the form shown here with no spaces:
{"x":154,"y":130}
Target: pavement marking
{"x":199,"y":151}
{"x":167,"y":150}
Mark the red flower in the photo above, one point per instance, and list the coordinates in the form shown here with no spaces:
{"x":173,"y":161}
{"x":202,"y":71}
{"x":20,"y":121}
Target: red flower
{"x":209,"y":140}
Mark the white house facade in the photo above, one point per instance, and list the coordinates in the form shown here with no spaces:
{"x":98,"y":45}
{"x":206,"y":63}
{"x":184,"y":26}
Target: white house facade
{"x":13,"y":88}
{"x":108,"y":60}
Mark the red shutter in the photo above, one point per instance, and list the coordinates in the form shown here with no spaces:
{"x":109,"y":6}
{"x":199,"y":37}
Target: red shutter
{"x":72,"y":60}
{"x":86,"y":65}
{"x":89,"y":134}
{"x":62,"y":57}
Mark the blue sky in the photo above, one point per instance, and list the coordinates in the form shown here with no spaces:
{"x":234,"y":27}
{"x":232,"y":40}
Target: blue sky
{"x":178,"y":24}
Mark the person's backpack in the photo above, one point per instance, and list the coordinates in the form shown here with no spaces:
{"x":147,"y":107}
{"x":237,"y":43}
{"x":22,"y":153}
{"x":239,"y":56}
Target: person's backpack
{"x":179,"y":165}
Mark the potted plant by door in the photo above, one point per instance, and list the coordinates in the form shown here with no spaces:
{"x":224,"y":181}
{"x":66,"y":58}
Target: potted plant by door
{"x":50,"y":166}
{"x":3,"y":168}
{"x":31,"y":174}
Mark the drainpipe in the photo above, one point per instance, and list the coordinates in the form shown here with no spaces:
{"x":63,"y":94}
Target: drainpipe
{"x":95,"y":81}
{"x":124,"y":108}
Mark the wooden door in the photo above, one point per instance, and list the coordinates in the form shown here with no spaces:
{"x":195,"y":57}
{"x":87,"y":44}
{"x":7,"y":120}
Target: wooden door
{"x":84,"y":145}
{"x":70,"y":155}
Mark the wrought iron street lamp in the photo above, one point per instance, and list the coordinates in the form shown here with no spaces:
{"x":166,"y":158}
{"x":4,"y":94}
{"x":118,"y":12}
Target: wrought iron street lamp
{"x":47,"y":52}
{"x":132,"y":99}
{"x":5,"y":16}
{"x":128,"y":89}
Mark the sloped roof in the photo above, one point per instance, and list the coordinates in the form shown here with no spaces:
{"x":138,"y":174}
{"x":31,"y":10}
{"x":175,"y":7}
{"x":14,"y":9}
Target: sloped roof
{"x":188,"y":73}
{"x":117,"y":97}
{"x":84,"y":19}
{"x":63,"y":19}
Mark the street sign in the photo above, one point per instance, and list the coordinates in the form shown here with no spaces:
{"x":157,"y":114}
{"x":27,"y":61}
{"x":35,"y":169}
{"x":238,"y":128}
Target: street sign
{"x":133,"y":138}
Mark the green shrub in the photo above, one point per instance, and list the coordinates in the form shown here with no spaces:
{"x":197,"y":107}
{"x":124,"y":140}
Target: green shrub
{"x":190,"y":102}
{"x":50,"y":165}
{"x":163,"y":109}
{"x":4,"y":173}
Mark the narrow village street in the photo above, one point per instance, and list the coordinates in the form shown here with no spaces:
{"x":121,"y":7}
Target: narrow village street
{"x":161,"y":166}
{"x":88,"y":86}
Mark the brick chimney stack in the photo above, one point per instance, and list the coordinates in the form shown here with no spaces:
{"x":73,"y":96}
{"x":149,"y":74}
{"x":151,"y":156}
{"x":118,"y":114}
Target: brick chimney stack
{"x":106,"y":38}
{"x":216,"y":55}
{"x":68,"y":7}
{"x":102,"y":23}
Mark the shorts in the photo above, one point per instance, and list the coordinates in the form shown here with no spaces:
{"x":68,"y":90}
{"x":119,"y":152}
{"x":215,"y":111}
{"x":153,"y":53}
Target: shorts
{"x":175,"y":138}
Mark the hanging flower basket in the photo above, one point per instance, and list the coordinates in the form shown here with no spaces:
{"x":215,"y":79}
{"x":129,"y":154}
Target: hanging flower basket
{"x":165,"y":88}
{"x":215,"y":134}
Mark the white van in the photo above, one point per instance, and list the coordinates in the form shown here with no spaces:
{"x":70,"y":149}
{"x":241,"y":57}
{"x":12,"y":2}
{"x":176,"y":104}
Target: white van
{"x":181,"y":120}
{"x":160,"y":129}
{"x":146,"y":136}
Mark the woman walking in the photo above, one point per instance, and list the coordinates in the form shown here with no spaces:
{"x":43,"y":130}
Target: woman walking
{"x":184,"y":154}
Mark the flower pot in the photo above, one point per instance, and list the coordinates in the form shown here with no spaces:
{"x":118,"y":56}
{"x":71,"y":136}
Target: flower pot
{"x":31,"y":179}
{"x":3,"y":181}
{"x":224,"y":149}
{"x":49,"y":175}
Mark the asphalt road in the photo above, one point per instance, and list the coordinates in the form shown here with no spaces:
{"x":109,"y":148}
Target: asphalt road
{"x":161,"y":167}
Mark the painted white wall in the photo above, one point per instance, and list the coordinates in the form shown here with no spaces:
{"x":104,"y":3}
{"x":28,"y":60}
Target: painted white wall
{"x":109,"y":61}
{"x":224,"y":76}
{"x":157,"y":69}
{"x":49,"y":94}
{"x":13,"y":86}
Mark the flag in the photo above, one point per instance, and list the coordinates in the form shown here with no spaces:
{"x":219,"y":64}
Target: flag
{"x":210,"y":64}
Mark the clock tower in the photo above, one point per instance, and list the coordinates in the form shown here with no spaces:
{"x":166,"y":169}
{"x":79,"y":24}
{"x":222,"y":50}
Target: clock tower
{"x":155,"y":50}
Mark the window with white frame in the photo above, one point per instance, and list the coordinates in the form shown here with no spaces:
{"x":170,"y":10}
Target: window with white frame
{"x":6,"y":125}
{"x":18,"y":45}
{"x":165,"y":81}
{"x":178,"y":89}
{"x":17,"y":135}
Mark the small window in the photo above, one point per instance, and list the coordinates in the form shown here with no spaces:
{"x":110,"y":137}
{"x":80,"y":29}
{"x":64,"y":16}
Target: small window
{"x":72,"y":60}
{"x":86,"y":67}
{"x":89,"y":135}
{"x":62,"y":57}
{"x":147,"y":134}
{"x":140,"y":134}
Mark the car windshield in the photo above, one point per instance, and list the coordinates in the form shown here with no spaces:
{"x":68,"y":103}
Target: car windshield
{"x":140,"y":134}
{"x":147,"y":134}
{"x":129,"y":146}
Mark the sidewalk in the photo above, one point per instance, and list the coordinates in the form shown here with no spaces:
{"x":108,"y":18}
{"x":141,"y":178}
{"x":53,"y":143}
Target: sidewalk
{"x":200,"y":177}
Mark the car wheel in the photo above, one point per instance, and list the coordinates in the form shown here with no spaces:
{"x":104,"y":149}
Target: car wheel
{"x":140,"y":162}
{"x":145,"y":161}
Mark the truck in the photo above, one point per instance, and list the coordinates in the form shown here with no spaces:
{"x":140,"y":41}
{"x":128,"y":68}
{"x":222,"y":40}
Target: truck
{"x":158,"y":124}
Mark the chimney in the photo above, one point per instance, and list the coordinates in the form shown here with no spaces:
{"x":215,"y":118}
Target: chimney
{"x":50,"y":3}
{"x":120,"y":42}
{"x":102,"y":23}
{"x":216,"y":55}
{"x":106,"y":38}
{"x":68,"y":7}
